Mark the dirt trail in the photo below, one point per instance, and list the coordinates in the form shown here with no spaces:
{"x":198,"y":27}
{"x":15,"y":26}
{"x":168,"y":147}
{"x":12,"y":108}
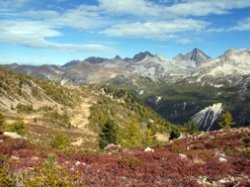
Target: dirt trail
{"x":81,"y":114}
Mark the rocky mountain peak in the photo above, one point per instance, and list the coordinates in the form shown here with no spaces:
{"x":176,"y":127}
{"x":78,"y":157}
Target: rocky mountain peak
{"x":142,"y":55}
{"x":95,"y":60}
{"x":70,"y":63}
{"x":196,"y":55}
{"x":117,"y":57}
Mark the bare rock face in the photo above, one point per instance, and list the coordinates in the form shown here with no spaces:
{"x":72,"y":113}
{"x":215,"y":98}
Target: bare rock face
{"x":196,"y":55}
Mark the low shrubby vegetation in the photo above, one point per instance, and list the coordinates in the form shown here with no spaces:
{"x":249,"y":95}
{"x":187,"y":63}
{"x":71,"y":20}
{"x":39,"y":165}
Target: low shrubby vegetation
{"x":24,"y":108}
{"x":60,"y":141}
{"x":58,"y":93}
{"x":199,"y":160}
{"x":46,"y":174}
{"x":57,"y":119}
{"x":17,"y":126}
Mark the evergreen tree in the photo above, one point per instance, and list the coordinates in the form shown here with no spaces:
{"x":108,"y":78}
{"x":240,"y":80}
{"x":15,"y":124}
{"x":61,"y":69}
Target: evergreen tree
{"x":107,"y":134}
{"x":174,"y":134}
{"x":148,"y":137}
{"x":226,"y":121}
{"x":132,"y":135}
{"x":191,"y":127}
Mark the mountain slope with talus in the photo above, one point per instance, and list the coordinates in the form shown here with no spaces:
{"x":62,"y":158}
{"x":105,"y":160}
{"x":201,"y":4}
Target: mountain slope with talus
{"x":48,"y":108}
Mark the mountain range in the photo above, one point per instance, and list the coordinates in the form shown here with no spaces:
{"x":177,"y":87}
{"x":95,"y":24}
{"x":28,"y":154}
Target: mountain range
{"x":180,"y":88}
{"x":195,"y":66}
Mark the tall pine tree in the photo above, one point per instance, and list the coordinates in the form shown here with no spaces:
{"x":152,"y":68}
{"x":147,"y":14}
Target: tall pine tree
{"x":226,"y":121}
{"x":107,"y":134}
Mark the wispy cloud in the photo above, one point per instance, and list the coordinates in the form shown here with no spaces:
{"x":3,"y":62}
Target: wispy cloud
{"x":206,"y":7}
{"x":176,"y":8}
{"x":82,"y":17}
{"x":130,"y":7}
{"x":146,"y":19}
{"x":12,"y":4}
{"x":156,"y":30}
{"x":36,"y":34}
{"x":243,"y":25}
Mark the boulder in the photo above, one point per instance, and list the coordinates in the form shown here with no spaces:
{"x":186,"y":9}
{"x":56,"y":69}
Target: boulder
{"x":12,"y":135}
{"x":149,"y":150}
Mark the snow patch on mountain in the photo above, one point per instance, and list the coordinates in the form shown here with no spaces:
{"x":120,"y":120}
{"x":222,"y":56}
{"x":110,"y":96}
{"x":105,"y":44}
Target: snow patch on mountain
{"x":206,"y":117}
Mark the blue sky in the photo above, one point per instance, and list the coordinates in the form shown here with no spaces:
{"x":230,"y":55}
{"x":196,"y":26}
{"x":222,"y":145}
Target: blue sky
{"x":57,"y":31}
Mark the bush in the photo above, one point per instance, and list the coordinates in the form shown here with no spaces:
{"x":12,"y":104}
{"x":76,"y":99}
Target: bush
{"x":54,"y":117}
{"x":24,"y":108}
{"x":107,"y":134}
{"x":6,"y":179}
{"x":55,"y":176}
{"x":246,"y":152}
{"x":191,"y":127}
{"x":60,"y":141}
{"x":174,"y":134}
{"x":226,"y":121}
{"x":51,"y":161}
{"x":131,"y":162}
{"x":18,"y":126}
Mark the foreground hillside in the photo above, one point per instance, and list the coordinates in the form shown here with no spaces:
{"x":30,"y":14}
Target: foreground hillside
{"x":53,"y":135}
{"x":208,"y":159}
{"x":81,"y":112}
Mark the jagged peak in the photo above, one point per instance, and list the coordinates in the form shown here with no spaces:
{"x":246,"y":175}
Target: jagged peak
{"x":142,"y":55}
{"x":95,"y":60}
{"x":196,"y":55}
{"x":117,"y":57}
{"x":70,"y":63}
{"x":197,"y":52}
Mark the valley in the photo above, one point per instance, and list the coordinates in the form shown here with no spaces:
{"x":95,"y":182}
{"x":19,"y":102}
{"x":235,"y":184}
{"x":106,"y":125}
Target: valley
{"x":193,"y":79}
{"x":124,"y":93}
{"x":122,"y":129}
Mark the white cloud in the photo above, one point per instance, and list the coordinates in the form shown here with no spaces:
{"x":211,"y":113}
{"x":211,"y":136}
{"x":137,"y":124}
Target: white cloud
{"x":143,"y":19}
{"x":243,"y":25}
{"x":206,"y":7}
{"x":178,"y":8}
{"x":36,"y":34}
{"x":40,"y":14}
{"x":82,"y":17}
{"x":156,"y":30}
{"x":132,"y":7}
{"x":12,"y":4}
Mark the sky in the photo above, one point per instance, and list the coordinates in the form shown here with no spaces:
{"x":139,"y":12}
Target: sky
{"x":57,"y":31}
